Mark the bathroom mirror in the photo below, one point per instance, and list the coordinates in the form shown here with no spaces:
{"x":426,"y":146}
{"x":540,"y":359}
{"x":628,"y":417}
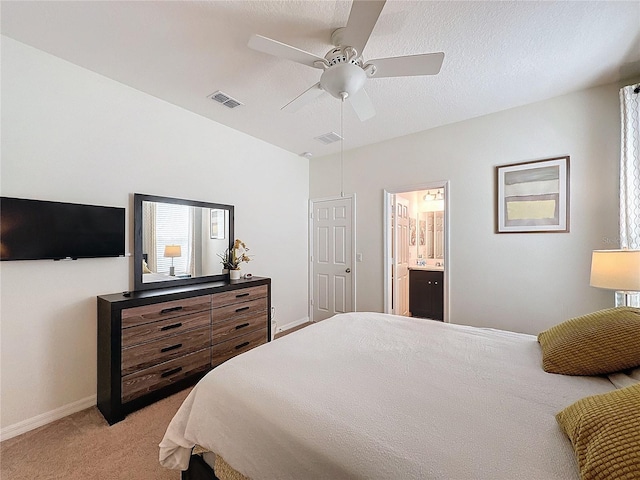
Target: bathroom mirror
{"x":431,"y":245}
{"x":177,"y":242}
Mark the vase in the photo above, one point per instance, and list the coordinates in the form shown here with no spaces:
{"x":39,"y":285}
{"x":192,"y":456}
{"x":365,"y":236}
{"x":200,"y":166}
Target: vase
{"x":234,"y":274}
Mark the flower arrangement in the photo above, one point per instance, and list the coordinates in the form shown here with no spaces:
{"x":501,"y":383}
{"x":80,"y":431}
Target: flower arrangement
{"x":231,"y":260}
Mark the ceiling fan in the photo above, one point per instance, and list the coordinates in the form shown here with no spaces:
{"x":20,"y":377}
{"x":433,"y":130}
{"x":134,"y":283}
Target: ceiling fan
{"x":344,"y":70}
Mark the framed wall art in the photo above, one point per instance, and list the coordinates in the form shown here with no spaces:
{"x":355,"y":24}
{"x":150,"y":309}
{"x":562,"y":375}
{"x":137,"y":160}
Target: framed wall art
{"x":412,"y":231}
{"x":533,"y":196}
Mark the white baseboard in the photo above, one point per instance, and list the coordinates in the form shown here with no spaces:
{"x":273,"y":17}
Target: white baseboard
{"x":295,"y":323}
{"x":44,"y":418}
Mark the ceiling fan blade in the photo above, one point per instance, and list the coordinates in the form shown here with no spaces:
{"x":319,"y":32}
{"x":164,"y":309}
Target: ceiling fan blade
{"x":282,"y":50}
{"x":411,"y":65}
{"x":304,"y":98}
{"x":362,"y":105}
{"x":362,"y":18}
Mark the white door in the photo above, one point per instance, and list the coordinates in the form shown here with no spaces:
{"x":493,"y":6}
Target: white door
{"x":401,"y":256}
{"x":332,"y":270}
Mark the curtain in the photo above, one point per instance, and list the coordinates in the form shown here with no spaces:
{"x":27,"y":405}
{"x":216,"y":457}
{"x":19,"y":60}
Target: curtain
{"x":191,"y":255}
{"x":630,"y":168}
{"x":149,"y":234}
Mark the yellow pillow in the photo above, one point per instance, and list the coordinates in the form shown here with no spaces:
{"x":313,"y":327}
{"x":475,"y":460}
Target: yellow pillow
{"x":605,"y":433}
{"x":598,"y":343}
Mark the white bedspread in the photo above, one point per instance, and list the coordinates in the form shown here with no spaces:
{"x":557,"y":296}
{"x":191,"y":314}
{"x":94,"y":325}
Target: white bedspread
{"x":368,"y":395}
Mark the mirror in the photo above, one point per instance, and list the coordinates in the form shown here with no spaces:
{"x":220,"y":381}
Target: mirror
{"x":431,"y":225}
{"x":177,"y":242}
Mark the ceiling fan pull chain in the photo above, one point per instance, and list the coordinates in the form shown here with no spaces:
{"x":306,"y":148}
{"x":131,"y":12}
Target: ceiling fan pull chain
{"x":344,"y":96}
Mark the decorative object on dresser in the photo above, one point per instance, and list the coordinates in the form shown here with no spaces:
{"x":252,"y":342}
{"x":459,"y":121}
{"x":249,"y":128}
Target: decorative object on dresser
{"x":618,"y":270}
{"x":232,"y":258}
{"x":153,"y":343}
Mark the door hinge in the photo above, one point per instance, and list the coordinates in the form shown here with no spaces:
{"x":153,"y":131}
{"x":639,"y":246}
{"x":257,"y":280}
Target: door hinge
{"x":311,"y":258}
{"x":311,"y":302}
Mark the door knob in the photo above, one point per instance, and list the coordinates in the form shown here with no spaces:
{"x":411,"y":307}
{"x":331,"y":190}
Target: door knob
{"x":348,"y":270}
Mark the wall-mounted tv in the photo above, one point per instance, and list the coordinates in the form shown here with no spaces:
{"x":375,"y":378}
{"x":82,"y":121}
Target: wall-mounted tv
{"x":39,"y":230}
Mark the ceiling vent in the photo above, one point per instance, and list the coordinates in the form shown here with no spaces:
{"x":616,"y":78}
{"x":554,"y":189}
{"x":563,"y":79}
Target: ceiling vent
{"x":225,"y":99}
{"x":328,"y":138}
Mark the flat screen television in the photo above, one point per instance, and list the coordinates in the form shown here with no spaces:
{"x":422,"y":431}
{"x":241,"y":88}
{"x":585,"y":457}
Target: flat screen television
{"x":40,"y":230}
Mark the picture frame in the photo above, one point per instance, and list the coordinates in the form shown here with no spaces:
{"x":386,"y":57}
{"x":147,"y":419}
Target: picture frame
{"x":412,"y":232}
{"x":217,"y":229}
{"x":423,"y":232}
{"x":533,"y":197}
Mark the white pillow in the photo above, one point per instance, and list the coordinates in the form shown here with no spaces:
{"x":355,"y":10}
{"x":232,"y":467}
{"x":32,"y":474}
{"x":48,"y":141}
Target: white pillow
{"x":626,"y":378}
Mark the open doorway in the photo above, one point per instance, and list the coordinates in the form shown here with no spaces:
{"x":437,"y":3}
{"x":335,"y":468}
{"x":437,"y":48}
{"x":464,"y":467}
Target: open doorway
{"x":416,"y":246}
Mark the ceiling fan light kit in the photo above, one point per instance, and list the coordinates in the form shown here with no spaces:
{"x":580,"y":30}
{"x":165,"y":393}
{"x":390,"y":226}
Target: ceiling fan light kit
{"x":345,"y":73}
{"x":343,"y":79}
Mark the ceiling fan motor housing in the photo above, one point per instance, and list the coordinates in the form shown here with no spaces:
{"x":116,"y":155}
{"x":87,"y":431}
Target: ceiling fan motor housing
{"x":343,"y":78}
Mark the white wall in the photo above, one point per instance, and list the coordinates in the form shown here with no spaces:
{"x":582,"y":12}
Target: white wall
{"x":521,"y":282}
{"x":74,"y":136}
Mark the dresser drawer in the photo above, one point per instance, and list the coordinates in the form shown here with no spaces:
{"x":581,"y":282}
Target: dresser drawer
{"x":235,"y":310}
{"x":221,"y":352}
{"x":161,"y":329}
{"x":235,"y":327}
{"x":152,"y":353}
{"x":237,"y":296}
{"x":150,"y":379}
{"x":160,"y":311}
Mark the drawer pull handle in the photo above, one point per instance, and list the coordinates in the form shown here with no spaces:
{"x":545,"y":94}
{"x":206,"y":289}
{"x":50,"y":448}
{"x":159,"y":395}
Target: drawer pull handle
{"x":172,"y":347}
{"x":238,"y":327}
{"x":238,"y":347}
{"x":170,"y":327}
{"x":241,"y":309}
{"x":169,"y":310}
{"x":242,"y":295}
{"x":171,"y":372}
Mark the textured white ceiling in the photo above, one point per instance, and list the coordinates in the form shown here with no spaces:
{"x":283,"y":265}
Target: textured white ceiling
{"x":498,"y":55}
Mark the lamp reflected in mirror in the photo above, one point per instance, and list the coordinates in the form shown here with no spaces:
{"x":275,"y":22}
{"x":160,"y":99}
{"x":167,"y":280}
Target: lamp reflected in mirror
{"x":172,"y":251}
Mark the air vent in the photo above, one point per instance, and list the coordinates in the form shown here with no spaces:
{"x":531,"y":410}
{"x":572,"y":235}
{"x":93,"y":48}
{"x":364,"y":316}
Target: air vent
{"x":328,"y":138}
{"x":225,"y":99}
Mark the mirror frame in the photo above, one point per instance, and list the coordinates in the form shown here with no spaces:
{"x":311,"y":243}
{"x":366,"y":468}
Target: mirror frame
{"x":138,"y":198}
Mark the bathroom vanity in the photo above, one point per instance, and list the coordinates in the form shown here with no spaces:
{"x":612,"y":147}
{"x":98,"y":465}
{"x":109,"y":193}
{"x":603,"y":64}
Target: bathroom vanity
{"x":426,"y":292}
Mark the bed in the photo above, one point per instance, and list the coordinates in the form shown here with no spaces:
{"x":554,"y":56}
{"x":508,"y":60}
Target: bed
{"x":370,"y":395}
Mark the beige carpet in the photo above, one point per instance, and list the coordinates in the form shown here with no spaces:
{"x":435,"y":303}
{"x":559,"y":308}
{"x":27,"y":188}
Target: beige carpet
{"x":83,"y":446}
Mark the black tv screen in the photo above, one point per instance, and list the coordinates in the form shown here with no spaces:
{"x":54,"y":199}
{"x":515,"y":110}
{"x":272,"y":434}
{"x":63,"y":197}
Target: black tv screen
{"x":38,"y":230}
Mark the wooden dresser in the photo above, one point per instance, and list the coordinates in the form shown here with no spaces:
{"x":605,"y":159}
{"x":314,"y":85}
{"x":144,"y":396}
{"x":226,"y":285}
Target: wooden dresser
{"x":156,"y":342}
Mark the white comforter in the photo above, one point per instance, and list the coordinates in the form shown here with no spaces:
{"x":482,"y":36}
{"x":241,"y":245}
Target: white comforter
{"x":368,"y":395}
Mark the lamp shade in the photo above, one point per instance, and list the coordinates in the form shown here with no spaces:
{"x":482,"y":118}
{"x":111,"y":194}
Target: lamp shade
{"x":172,"y":251}
{"x":616,"y":269}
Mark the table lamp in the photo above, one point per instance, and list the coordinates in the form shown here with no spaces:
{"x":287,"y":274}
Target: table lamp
{"x":172,"y":251}
{"x":618,"y":270}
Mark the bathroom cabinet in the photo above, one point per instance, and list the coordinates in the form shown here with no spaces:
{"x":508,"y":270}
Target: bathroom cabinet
{"x":426,"y":294}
